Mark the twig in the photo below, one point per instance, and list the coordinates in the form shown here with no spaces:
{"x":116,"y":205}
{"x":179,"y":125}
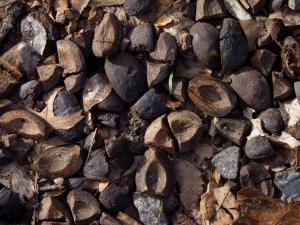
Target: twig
{"x":90,"y":148}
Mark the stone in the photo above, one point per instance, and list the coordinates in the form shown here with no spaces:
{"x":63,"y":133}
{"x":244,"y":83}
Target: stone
{"x":227,"y":162}
{"x":288,"y":182}
{"x":258,"y":147}
{"x":272,"y":120}
{"x":149,"y":208}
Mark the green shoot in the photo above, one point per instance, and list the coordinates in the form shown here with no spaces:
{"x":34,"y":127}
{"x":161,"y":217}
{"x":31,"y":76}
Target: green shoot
{"x":170,"y":82}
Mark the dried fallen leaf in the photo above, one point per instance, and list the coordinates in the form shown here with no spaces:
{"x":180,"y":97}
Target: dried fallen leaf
{"x":219,"y":201}
{"x":264,"y":210}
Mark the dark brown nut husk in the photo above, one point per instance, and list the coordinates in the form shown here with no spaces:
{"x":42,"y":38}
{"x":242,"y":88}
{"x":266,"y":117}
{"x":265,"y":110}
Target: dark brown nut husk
{"x":282,"y":87}
{"x":210,"y":9}
{"x":114,"y":198}
{"x":96,"y":167}
{"x":70,"y":57}
{"x":166,"y":48}
{"x":263,"y":60}
{"x":151,"y":105}
{"x":106,"y":219}
{"x":157,"y":72}
{"x":142,"y":38}
{"x":74,"y":83}
{"x":233,"y":45}
{"x":290,"y":56}
{"x":108,"y":36}
{"x":49,"y":76}
{"x":62,"y":161}
{"x":84,"y":206}
{"x":254,"y":174}
{"x":190,"y":182}
{"x":158,"y":135}
{"x":257,"y":5}
{"x":53,"y":209}
{"x":20,"y":57}
{"x":29,"y":92}
{"x":67,"y":121}
{"x":206,"y":44}
{"x":9,"y":78}
{"x":96,"y":90}
{"x":187,"y":128}
{"x":137,"y":7}
{"x":107,"y":119}
{"x":272,"y":120}
{"x":211,"y":96}
{"x":68,"y":101}
{"x":257,"y":95}
{"x":25,"y":123}
{"x":234,"y":130}
{"x":115,"y":146}
{"x":155,"y":166}
{"x":126,"y":76}
{"x":10,"y":204}
{"x":179,"y":89}
{"x":258,"y":147}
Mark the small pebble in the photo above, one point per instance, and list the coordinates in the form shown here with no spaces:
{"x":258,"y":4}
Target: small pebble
{"x":227,"y":162}
{"x":149,"y":208}
{"x":288,"y":182}
{"x":272,"y":120}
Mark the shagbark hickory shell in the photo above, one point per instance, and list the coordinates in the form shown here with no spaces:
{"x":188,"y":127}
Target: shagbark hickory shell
{"x":211,"y":96}
{"x":252,"y":87}
{"x":127,"y":76}
{"x":233,"y":45}
{"x":108,"y":36}
{"x":206,"y":44}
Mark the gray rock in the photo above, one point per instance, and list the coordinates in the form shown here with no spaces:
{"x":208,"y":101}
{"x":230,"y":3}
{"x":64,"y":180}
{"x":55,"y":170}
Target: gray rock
{"x":297,"y":89}
{"x":149,"y":208}
{"x":294,"y":4}
{"x":258,"y":147}
{"x":272,"y":120}
{"x":227,"y":162}
{"x":288,"y":182}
